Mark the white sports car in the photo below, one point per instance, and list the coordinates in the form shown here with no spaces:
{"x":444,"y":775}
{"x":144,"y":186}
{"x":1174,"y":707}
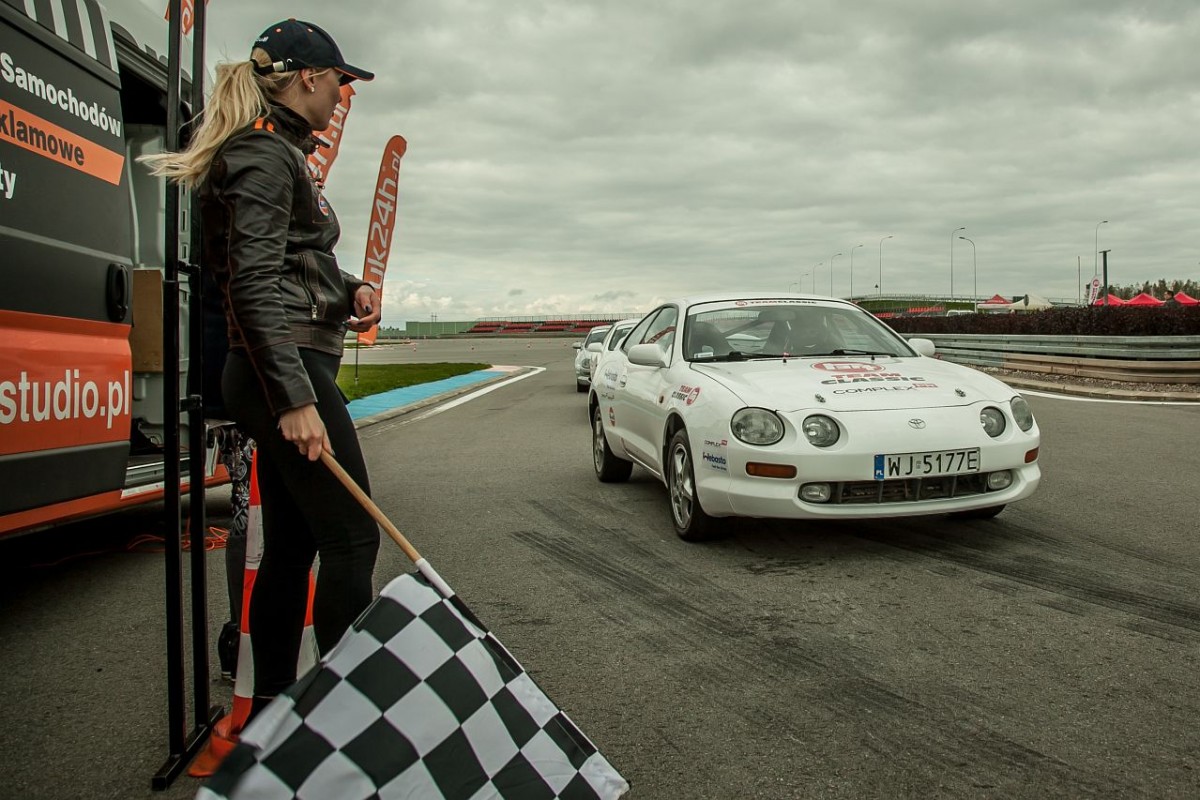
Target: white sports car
{"x":802,"y":407}
{"x":583,"y":356}
{"x":612,"y":339}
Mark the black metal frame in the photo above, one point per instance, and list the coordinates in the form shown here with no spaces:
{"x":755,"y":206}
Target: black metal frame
{"x":182,"y":744}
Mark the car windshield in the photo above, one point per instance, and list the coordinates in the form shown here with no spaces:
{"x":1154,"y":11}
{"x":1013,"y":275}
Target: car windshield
{"x":619,"y":335}
{"x":754,"y":329}
{"x":596,"y":335}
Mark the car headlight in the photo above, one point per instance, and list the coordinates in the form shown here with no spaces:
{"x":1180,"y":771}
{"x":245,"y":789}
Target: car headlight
{"x":992,"y":420}
{"x":821,"y":431}
{"x":757,"y":426}
{"x":1021,"y":413}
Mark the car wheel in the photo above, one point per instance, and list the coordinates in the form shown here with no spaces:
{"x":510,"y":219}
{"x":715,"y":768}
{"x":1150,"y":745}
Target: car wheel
{"x":609,"y":468}
{"x":691,"y":523}
{"x":580,"y":387}
{"x":978,"y":513}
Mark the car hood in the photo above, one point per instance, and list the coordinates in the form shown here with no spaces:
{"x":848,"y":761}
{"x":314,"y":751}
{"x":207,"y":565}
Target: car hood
{"x":854,"y":383}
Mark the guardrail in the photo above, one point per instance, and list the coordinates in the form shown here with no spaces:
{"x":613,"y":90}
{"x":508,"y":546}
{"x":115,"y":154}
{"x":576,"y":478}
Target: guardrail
{"x":1134,"y":359}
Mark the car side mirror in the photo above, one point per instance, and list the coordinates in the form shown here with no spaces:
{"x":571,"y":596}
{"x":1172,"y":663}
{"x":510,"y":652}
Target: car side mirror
{"x":647,"y":355}
{"x":576,"y":345}
{"x":595,"y":347}
{"x":924,"y":347}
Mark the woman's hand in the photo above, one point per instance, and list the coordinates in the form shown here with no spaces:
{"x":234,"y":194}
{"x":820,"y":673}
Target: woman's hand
{"x":366,"y":309}
{"x":303,"y":427}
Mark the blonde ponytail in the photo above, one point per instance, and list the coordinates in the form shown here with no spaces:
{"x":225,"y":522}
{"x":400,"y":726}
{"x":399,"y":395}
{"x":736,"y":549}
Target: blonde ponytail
{"x":239,"y":97}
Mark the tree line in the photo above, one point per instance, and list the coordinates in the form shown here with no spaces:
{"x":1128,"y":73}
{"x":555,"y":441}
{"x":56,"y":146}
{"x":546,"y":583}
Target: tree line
{"x":1161,"y":289}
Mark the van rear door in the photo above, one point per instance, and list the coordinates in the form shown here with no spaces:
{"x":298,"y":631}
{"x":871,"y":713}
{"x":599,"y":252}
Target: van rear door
{"x":65,"y":235}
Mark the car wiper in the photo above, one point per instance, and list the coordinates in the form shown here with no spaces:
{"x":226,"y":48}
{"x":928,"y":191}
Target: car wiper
{"x":774,"y":355}
{"x":852,"y":352}
{"x":732,"y":355}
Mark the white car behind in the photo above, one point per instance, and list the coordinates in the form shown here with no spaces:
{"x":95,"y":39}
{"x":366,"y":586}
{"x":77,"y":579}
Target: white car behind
{"x":612,"y":340}
{"x":583,"y":358}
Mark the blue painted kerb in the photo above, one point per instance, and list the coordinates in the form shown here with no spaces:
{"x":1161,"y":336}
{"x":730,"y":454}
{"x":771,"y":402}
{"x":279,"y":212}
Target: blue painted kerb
{"x":398,"y":398}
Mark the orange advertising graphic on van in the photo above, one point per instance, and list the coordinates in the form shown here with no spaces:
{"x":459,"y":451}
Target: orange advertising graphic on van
{"x":53,"y":142}
{"x":63,"y":382}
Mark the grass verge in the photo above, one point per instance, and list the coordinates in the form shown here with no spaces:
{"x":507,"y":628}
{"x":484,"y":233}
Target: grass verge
{"x":378,"y":378}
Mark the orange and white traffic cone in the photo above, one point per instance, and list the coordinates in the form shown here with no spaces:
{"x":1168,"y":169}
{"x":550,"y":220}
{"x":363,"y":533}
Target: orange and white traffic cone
{"x":226,"y":731}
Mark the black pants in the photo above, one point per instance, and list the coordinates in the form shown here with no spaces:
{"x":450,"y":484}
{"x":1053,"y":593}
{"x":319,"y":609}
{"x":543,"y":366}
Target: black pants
{"x":306,"y":512}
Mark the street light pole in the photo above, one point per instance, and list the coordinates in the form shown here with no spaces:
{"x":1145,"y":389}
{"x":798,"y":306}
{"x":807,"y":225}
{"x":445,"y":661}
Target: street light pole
{"x":852,"y":249}
{"x":974,"y":272}
{"x":956,"y":230}
{"x":1096,"y":252}
{"x":1105,"y":287}
{"x":880,"y":286}
{"x":814,"y":274}
{"x":835,"y":255}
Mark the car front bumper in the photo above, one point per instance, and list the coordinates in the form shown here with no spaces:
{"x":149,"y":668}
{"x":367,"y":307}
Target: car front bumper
{"x":725,"y":488}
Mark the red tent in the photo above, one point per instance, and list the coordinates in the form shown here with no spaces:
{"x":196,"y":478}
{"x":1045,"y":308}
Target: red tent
{"x":1184,"y":299}
{"x":1143,"y":299}
{"x":996,"y":300}
{"x":1113,"y":300}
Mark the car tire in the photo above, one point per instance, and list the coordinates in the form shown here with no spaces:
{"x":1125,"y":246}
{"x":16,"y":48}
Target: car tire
{"x":692,"y":524}
{"x":609,"y":468}
{"x":581,"y":387}
{"x":978,"y":513}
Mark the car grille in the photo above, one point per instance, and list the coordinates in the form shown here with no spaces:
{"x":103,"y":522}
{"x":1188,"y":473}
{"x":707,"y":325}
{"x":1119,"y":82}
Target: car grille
{"x":908,"y":490}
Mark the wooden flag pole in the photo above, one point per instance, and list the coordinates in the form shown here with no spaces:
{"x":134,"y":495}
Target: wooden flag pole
{"x":369,"y":505}
{"x":366,"y":502}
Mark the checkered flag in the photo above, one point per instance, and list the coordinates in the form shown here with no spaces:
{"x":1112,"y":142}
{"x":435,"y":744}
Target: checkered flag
{"x":418,"y":700}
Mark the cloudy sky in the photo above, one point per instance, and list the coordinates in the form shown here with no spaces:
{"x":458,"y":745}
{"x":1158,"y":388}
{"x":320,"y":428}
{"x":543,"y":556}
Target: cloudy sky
{"x":601,"y":155}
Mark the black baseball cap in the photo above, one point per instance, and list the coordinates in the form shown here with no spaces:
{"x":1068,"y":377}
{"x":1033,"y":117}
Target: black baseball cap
{"x":293,"y":44}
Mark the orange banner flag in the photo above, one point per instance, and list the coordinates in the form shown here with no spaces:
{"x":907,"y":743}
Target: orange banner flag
{"x":320,"y":161}
{"x":383,"y":222}
{"x":188,"y":18}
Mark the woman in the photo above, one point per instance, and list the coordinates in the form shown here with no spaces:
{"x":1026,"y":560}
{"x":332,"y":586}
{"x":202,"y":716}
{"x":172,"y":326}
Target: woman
{"x":268,"y":240}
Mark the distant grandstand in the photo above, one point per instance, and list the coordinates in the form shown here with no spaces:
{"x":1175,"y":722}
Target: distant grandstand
{"x":515,"y":326}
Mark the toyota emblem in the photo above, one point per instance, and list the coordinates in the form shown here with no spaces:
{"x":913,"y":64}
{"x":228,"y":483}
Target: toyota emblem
{"x":919,"y":424}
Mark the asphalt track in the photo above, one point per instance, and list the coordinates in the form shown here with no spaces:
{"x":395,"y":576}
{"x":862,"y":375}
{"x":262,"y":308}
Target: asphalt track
{"x":1051,"y":652}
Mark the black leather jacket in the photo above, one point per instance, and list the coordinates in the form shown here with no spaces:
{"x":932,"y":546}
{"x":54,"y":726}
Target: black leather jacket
{"x":268,"y":240}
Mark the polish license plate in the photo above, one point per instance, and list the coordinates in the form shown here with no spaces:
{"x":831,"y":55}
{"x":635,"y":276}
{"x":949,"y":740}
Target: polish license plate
{"x":896,"y":466}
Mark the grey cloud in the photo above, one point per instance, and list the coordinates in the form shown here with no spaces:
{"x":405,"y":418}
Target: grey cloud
{"x":672,"y":147}
{"x":610,"y":297}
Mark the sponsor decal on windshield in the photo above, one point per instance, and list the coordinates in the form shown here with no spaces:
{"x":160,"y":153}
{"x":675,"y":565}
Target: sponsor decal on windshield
{"x":688,"y":394}
{"x":780,"y":302}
